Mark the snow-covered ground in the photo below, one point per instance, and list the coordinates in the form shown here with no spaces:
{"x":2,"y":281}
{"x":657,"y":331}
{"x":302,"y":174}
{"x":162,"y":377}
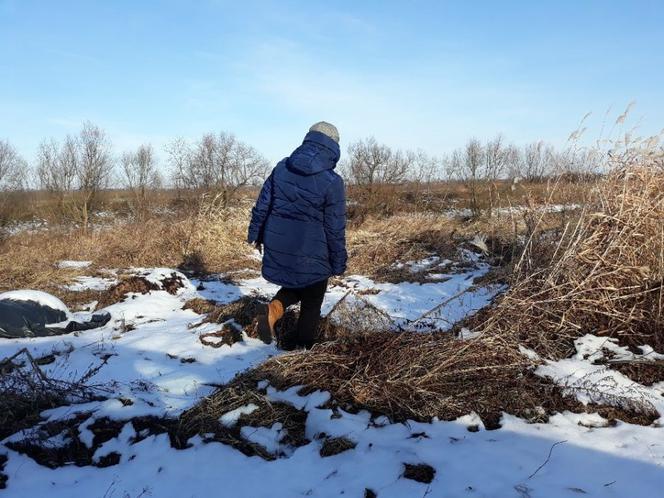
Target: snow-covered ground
{"x":154,"y":359}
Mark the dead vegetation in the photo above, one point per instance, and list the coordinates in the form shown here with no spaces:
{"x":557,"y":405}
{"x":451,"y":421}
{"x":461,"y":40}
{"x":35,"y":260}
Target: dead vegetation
{"x":602,"y":272}
{"x":420,"y":376}
{"x":209,"y":240}
{"x":204,"y":418}
{"x":25,"y":391}
{"x":604,"y":276}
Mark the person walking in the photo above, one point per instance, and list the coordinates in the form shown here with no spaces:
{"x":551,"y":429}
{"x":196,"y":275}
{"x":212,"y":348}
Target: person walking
{"x":299,"y":225}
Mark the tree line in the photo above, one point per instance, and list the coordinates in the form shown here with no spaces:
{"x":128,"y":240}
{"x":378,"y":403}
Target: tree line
{"x":77,"y":168}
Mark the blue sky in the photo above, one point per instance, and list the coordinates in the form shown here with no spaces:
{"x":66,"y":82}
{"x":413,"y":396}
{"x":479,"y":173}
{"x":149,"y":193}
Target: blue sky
{"x":414,"y":74}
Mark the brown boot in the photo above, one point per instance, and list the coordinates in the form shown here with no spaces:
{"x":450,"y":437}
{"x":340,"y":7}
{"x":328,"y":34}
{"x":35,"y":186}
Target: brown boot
{"x":271,"y":313}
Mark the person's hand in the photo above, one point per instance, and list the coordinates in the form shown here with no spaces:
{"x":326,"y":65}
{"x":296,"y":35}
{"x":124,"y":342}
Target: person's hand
{"x":258,"y":246}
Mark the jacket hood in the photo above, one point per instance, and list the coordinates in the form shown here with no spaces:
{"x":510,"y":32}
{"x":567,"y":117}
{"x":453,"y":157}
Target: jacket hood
{"x":317,"y":153}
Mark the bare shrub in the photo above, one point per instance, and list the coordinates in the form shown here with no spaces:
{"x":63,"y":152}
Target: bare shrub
{"x":466,"y":165}
{"x":25,"y":391}
{"x":538,"y":161}
{"x":418,"y":376}
{"x":376,"y":171}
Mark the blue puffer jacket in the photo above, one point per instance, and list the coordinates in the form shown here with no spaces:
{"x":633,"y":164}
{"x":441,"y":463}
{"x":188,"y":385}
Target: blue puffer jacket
{"x":300,"y":216}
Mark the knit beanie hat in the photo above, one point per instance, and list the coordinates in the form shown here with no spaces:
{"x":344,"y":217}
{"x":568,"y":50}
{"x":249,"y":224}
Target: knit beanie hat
{"x":326,"y":129}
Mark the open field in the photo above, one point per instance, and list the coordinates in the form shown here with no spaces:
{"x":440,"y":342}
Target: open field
{"x":528,"y":342}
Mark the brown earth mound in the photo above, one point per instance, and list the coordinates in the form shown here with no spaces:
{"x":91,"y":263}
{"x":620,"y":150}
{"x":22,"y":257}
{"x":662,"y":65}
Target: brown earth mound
{"x":137,"y":285}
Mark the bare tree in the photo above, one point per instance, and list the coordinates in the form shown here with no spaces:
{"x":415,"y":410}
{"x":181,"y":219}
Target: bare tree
{"x":537,"y":161}
{"x":467,"y":165}
{"x":77,"y":170}
{"x":94,"y":167}
{"x":13,"y":178}
{"x":140,"y":176}
{"x":56,"y":166}
{"x":370,"y":163}
{"x":497,"y":157}
{"x":178,"y":152}
{"x":216,"y":163}
{"x":13,"y":168}
{"x":425,"y":168}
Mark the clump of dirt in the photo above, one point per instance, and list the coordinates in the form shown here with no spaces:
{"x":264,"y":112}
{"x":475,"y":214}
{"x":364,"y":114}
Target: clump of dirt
{"x":200,"y":306}
{"x":420,"y":472}
{"x":335,"y":445}
{"x":228,"y":335}
{"x":117,"y":292}
{"x":172,"y":283}
{"x":137,"y":285}
{"x":36,"y":444}
{"x":242,"y":311}
{"x":631,"y":415}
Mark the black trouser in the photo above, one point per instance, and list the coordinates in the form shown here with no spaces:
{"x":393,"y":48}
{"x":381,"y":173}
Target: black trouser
{"x":311,"y":300}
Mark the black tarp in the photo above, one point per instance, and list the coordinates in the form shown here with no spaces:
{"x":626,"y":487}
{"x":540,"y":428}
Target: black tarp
{"x":31,"y":319}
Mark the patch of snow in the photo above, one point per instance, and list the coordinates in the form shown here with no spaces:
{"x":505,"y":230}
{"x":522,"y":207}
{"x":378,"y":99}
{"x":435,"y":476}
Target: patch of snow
{"x":74,"y":264}
{"x":528,"y":353}
{"x":466,"y":334}
{"x":592,"y":383}
{"x":229,"y":419}
{"x":91,"y":283}
{"x":599,"y":384}
{"x":143,"y":366}
{"x":157,"y":276}
{"x":269,"y":438}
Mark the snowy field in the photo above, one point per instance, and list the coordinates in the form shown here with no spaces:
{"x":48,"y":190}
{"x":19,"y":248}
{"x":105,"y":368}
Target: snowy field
{"x":155,"y":364}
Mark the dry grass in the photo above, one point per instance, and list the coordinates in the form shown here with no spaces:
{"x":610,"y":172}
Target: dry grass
{"x":208,"y":241}
{"x":203,"y":419}
{"x":418,"y":376}
{"x":605,"y":276}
